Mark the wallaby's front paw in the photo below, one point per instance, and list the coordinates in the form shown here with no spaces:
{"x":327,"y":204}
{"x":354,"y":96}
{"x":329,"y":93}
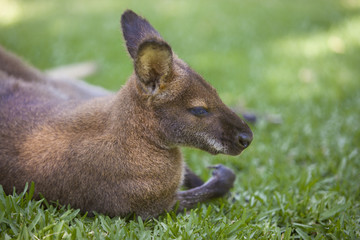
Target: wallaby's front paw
{"x":223,"y":173}
{"x":224,"y":179}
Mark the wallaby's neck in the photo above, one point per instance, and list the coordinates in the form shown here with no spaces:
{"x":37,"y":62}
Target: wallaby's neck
{"x":123,"y":117}
{"x":131,"y":116}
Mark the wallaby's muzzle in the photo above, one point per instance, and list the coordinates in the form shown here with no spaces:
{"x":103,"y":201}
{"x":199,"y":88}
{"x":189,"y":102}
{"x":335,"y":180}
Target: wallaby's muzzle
{"x":244,"y":139}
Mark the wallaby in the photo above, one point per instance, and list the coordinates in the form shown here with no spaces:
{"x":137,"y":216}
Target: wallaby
{"x":116,"y":154}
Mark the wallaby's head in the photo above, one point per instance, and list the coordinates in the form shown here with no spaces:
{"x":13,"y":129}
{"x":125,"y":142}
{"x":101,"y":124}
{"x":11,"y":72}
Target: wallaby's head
{"x":188,"y":110}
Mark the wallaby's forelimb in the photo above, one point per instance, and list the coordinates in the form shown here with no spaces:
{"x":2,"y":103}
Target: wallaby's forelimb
{"x":218,"y":185}
{"x":191,"y":180}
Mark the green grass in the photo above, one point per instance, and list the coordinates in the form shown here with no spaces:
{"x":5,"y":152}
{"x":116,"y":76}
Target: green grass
{"x":298,"y":59}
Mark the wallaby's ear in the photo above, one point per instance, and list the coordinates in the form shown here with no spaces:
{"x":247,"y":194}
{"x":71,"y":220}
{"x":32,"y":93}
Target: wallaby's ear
{"x":153,"y":64}
{"x":153,"y":57}
{"x":135,"y":30}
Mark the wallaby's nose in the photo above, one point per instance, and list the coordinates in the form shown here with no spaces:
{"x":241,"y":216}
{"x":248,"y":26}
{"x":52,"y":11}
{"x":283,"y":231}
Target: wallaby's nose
{"x":245,"y":139}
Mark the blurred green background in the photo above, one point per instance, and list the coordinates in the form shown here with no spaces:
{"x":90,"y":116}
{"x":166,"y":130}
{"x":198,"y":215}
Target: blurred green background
{"x":297,"y":59}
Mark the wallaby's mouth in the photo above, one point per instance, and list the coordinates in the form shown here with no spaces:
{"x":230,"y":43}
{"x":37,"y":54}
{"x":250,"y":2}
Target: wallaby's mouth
{"x":232,"y":152}
{"x":236,"y":151}
{"x":237,"y":146}
{"x":226,"y":146}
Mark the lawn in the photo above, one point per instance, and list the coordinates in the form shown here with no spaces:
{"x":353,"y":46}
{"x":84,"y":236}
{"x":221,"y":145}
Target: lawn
{"x":295,"y":64}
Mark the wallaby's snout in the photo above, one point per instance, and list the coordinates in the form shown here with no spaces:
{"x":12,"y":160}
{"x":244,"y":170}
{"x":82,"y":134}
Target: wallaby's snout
{"x":244,"y":139}
{"x":237,"y":130}
{"x":244,"y":135}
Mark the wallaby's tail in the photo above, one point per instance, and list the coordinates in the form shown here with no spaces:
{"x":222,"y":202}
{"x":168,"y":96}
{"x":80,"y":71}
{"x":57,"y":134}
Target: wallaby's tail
{"x":14,"y":66}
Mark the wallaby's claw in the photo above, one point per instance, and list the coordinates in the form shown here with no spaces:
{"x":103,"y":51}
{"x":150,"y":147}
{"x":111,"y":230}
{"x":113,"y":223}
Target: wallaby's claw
{"x":223,"y":174}
{"x":218,"y":170}
{"x":221,"y":171}
{"x":214,"y":166}
{"x":222,"y":179}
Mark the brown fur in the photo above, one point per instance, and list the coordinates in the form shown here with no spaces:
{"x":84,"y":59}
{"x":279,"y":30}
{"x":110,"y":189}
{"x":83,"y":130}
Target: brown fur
{"x":116,"y":154}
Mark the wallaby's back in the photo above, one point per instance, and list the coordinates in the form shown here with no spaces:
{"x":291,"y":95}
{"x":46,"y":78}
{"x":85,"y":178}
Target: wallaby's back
{"x":27,"y":101}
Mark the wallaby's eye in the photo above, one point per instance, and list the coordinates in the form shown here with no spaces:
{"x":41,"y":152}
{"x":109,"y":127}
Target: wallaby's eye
{"x":198,"y":111}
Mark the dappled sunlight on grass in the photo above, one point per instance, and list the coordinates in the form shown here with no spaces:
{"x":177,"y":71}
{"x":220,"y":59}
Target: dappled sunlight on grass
{"x":351,"y":4}
{"x":10,"y":12}
{"x":340,"y":39}
{"x":317,"y":61}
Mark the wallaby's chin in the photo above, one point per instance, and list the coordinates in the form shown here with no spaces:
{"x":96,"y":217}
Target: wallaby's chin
{"x":231,"y":152}
{"x":235,"y":151}
{"x":215,"y":146}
